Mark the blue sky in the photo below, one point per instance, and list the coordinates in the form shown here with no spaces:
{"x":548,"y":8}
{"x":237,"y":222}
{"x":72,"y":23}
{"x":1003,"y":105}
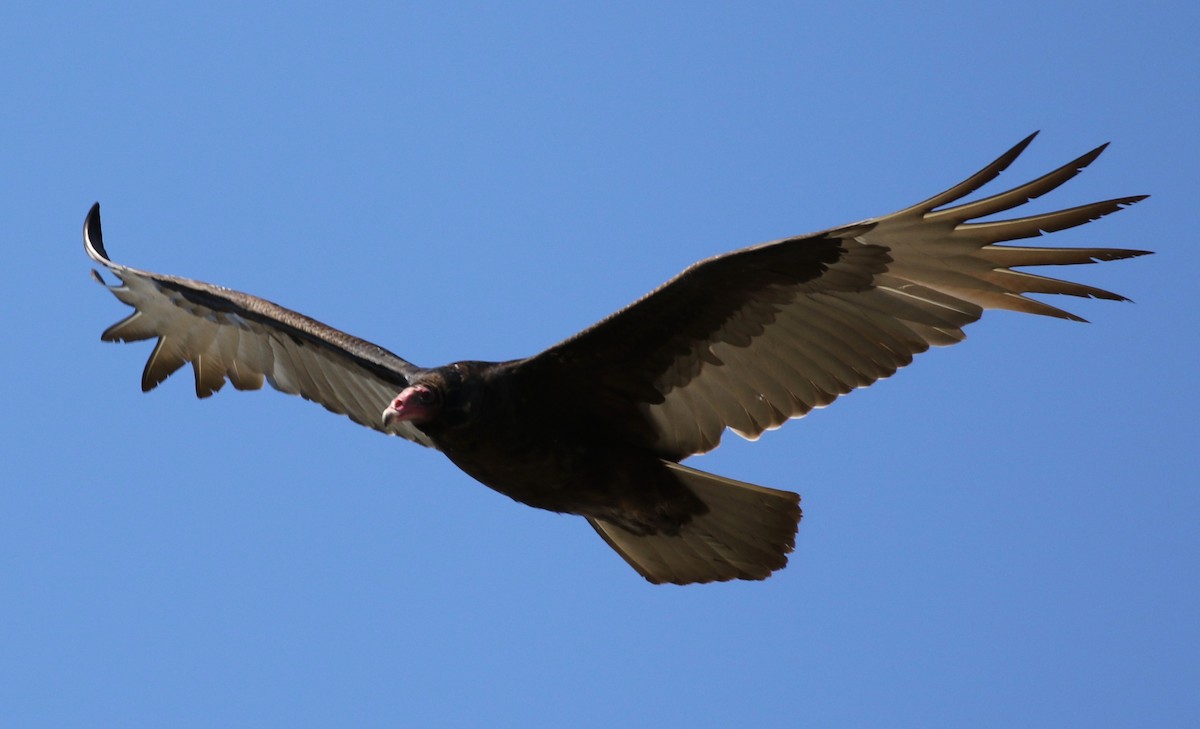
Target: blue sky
{"x":1001,"y":535}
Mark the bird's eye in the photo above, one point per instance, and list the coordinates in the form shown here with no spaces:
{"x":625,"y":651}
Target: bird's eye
{"x":425,"y":396}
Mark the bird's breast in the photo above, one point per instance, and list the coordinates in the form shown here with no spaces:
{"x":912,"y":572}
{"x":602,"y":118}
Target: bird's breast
{"x":615,"y":482}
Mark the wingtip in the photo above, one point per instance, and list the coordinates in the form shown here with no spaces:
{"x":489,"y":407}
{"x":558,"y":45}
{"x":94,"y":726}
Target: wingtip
{"x":1124,"y":202}
{"x":1019,"y":148}
{"x":1003,"y":161}
{"x":1080,"y":163}
{"x":93,"y":236}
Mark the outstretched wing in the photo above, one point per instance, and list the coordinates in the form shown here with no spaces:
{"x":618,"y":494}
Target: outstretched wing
{"x":749,"y":339}
{"x":228,"y":335}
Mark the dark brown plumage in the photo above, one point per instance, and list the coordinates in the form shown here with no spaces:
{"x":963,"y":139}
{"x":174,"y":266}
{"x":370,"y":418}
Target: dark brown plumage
{"x":596,"y":425}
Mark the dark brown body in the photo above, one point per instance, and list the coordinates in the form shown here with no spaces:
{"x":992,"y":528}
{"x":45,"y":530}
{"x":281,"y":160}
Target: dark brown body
{"x":564,"y":460}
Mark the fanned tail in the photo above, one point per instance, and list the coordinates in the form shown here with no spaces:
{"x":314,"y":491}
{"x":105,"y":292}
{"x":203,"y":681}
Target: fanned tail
{"x":746,"y":534}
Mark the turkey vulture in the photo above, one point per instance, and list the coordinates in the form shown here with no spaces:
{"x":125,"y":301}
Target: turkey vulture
{"x":597,"y":424}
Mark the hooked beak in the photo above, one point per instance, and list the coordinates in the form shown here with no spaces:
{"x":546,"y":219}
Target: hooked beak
{"x":391,"y":415}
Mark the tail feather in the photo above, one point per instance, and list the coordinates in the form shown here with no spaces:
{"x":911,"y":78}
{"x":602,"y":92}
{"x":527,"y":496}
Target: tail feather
{"x":746,"y":534}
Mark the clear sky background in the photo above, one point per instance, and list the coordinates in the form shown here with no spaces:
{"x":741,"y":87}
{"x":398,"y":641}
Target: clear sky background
{"x":1003,"y":535}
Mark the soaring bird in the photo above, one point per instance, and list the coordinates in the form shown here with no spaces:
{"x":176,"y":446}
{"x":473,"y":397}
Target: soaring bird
{"x":598,"y":424}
